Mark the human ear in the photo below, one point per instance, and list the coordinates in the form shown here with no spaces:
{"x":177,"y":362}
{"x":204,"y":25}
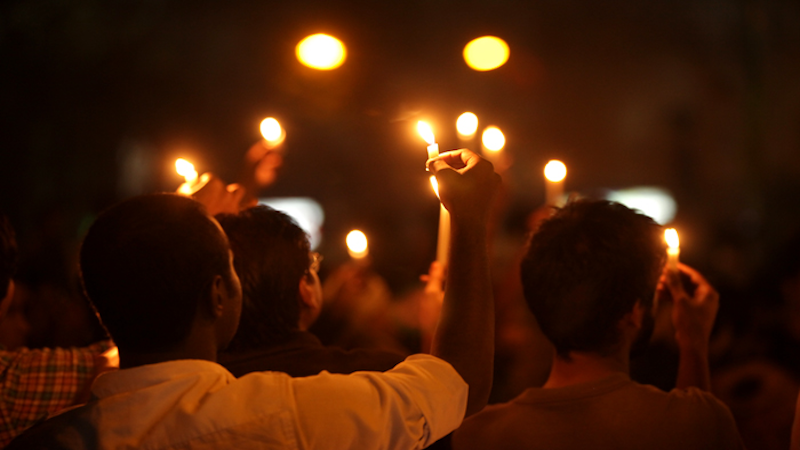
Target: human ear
{"x":215,"y":304}
{"x":5,"y":303}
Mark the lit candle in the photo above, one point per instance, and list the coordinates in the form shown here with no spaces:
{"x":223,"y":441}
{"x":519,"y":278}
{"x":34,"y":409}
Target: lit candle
{"x":554,"y":172}
{"x":357,"y":245}
{"x":272,"y":132}
{"x":673,"y":248}
{"x":492,"y":142}
{"x":467,"y":126}
{"x":192,"y":183}
{"x":426,"y":132}
{"x":443,"y":245}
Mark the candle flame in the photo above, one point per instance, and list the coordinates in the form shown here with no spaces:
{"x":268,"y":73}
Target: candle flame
{"x":186,"y":170}
{"x":426,"y":132}
{"x":467,"y":124}
{"x":435,"y":185}
{"x":321,"y":51}
{"x":555,"y":171}
{"x":357,"y":244}
{"x":493,"y":139}
{"x":671,"y":236}
{"x":271,"y":129}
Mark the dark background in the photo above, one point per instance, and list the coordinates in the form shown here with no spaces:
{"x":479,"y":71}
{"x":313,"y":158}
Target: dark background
{"x":701,"y":97}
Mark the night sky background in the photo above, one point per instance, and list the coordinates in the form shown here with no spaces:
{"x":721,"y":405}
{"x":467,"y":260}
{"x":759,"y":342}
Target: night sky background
{"x":700,"y":97}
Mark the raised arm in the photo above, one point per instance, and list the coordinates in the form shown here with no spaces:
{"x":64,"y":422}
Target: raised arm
{"x":693,"y":316}
{"x":465,"y":334}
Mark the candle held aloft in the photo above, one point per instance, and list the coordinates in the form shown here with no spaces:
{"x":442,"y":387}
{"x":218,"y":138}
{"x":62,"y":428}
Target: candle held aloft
{"x":426,"y":132}
{"x":673,"y":248}
{"x":554,"y":173}
{"x":357,"y":245}
{"x":443,"y":244}
{"x":192,"y":183}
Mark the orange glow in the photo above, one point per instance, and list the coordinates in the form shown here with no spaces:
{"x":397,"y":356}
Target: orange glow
{"x":555,"y":171}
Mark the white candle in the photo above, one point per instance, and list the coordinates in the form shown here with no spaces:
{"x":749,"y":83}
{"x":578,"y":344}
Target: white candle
{"x":673,"y":248}
{"x":357,"y":245}
{"x":443,"y":245}
{"x":554,"y":173}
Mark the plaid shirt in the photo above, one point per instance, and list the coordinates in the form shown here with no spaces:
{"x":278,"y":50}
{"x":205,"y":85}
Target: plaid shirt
{"x":36,"y":383}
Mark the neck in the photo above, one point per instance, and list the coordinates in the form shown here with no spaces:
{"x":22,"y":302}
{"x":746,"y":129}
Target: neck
{"x":583,"y":367}
{"x":199,"y":344}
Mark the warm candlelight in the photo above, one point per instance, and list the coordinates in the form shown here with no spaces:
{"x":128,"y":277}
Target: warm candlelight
{"x":321,"y":51}
{"x":493,"y":140}
{"x":443,"y":245}
{"x":357,"y":245}
{"x":554,"y":172}
{"x":673,"y":248}
{"x":467,"y":125}
{"x":186,"y":170}
{"x":272,"y":132}
{"x":486,"y":53}
{"x":426,"y":132}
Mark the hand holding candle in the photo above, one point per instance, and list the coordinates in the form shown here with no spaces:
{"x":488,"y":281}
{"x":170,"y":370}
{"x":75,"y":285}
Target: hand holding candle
{"x":443,"y":244}
{"x":192,"y":183}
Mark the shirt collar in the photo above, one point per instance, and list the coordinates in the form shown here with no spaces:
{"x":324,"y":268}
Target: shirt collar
{"x":136,"y":378}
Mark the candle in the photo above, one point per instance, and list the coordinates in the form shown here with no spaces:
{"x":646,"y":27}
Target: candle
{"x":554,"y":173}
{"x":191,"y":182}
{"x":357,"y":245}
{"x":673,"y":248}
{"x":426,"y":132}
{"x":443,"y":245}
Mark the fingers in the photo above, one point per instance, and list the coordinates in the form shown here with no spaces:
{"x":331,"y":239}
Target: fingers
{"x":460,"y":160}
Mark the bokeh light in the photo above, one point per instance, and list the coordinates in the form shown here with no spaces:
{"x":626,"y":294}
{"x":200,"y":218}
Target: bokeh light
{"x":357,"y":245}
{"x":271,"y":129}
{"x":186,"y":170}
{"x":493,"y":139}
{"x":486,"y":53}
{"x":467,"y":124}
{"x":321,"y":52}
{"x":671,"y":236}
{"x":555,"y":171}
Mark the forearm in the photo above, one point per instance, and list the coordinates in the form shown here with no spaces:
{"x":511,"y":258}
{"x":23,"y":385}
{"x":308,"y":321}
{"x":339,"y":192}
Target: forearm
{"x":693,"y":370}
{"x":465,"y":335}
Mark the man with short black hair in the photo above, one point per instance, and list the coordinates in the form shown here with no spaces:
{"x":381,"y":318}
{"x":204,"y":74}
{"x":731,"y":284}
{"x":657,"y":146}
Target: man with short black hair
{"x":37,"y":382}
{"x":158,"y":262}
{"x":281,"y":299}
{"x":590,"y":276}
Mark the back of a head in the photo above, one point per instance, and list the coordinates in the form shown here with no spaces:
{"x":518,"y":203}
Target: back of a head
{"x":585,"y":268}
{"x":271,"y":256}
{"x":8,"y":254}
{"x":145,"y":265}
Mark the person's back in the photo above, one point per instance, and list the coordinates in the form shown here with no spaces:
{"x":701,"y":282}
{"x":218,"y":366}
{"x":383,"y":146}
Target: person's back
{"x":590,"y":276}
{"x":611,"y":413}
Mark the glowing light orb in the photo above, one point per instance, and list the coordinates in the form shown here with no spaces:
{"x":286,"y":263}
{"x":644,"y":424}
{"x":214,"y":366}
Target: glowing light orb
{"x":555,"y":171}
{"x":426,"y":132}
{"x":486,"y":53}
{"x":271,"y":129}
{"x":493,"y":139}
{"x":357,"y":244}
{"x":467,"y":124}
{"x":321,"y":52}
{"x":186,"y":170}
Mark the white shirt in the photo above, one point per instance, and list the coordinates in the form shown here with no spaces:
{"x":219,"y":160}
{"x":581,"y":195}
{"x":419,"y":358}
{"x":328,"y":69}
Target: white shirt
{"x":200,"y":405}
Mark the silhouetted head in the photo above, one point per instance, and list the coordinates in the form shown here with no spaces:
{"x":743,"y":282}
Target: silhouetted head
{"x":149,"y":266}
{"x":272,"y":259}
{"x":585,"y":268}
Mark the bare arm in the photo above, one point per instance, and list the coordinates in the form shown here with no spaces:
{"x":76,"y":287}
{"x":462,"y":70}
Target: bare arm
{"x":465,"y":335}
{"x":693,"y":317}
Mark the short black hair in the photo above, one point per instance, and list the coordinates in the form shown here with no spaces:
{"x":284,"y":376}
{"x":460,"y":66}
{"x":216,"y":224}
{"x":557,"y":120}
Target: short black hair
{"x":271,"y":256}
{"x":586,"y":267}
{"x":146,"y":263}
{"x":8,"y":254}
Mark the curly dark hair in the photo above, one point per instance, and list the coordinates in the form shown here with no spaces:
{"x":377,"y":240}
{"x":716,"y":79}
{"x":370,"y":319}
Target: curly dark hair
{"x":271,"y":256}
{"x":585,"y":268}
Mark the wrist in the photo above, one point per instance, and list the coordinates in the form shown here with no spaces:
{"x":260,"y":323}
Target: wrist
{"x":692,"y":345}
